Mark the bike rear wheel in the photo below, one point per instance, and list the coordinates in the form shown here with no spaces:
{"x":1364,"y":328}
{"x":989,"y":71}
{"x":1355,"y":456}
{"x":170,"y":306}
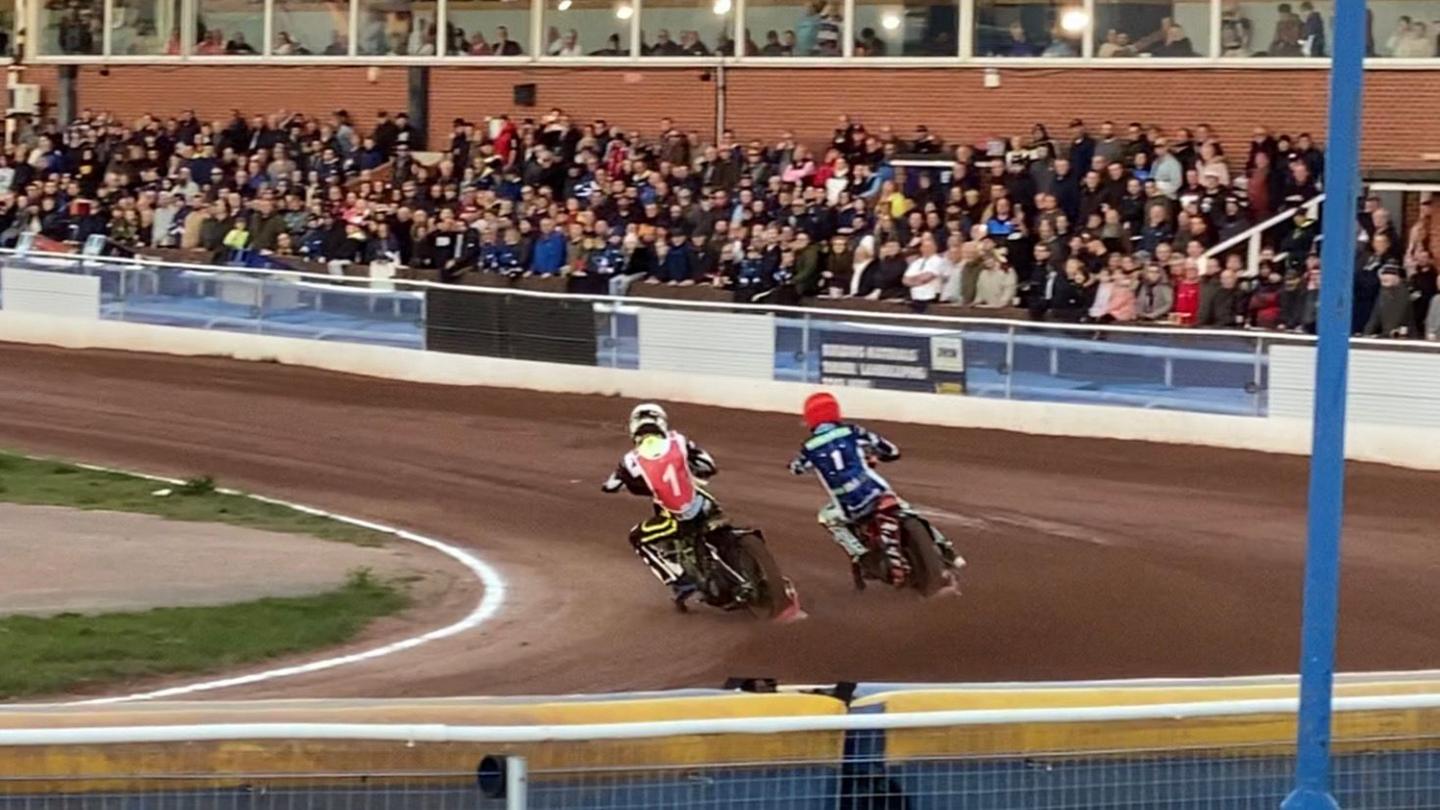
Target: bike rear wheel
{"x":928,"y":571}
{"x":751,"y":558}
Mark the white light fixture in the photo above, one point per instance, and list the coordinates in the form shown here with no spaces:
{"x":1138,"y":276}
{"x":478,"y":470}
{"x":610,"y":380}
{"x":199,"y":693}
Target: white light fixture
{"x":624,"y":11}
{"x":890,"y":21}
{"x":1074,"y":20}
{"x":722,"y":7}
{"x":563,"y":5}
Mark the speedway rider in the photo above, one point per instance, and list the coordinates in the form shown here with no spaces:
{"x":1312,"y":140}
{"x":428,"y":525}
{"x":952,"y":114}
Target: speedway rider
{"x":665,"y":466}
{"x":840,"y":453}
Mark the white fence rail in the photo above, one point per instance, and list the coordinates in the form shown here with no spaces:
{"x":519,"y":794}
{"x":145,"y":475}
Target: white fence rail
{"x":670,"y":728}
{"x":1255,"y":234}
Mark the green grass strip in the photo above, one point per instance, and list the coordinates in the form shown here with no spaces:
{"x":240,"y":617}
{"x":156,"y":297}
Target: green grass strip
{"x":50,"y":655}
{"x":51,"y":483}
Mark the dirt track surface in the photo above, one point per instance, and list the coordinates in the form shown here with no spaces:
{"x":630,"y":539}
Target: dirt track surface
{"x":1088,"y":558}
{"x":69,"y":560}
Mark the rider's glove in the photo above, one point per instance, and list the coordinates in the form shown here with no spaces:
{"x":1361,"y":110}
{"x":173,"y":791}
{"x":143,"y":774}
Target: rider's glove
{"x":797,"y":467}
{"x":612,"y":484}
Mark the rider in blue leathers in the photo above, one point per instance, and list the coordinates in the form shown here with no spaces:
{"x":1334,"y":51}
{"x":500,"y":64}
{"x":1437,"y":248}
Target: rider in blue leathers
{"x":840,"y":453}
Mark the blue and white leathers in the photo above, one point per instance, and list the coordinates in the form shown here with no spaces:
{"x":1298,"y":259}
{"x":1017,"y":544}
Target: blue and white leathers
{"x":839,"y":453}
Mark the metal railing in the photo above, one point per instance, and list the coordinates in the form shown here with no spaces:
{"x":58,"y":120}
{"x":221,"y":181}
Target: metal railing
{"x":1175,"y":755}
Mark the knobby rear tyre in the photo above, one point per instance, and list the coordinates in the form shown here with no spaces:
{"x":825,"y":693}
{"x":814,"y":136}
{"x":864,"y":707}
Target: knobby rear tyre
{"x":754,"y":560}
{"x":928,"y":569}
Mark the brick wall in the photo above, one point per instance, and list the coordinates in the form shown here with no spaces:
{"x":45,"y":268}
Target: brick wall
{"x":761,"y":102}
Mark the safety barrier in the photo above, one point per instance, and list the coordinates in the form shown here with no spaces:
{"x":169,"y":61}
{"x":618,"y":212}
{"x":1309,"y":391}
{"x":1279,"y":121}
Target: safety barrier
{"x":883,"y":753}
{"x":1196,"y":370}
{"x":1201,"y":386}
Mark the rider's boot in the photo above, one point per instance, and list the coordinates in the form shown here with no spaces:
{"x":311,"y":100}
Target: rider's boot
{"x":947,"y":549}
{"x":681,"y":590}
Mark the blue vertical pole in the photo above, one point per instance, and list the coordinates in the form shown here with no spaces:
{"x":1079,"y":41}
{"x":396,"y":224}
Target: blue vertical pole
{"x":1327,"y":461}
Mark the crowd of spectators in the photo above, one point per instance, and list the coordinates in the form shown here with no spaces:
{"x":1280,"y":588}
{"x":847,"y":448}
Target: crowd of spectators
{"x":1111,"y":224}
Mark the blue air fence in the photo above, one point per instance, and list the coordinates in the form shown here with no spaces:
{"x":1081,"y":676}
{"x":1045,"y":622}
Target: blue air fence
{"x":1203,"y":371}
{"x":283,"y":305}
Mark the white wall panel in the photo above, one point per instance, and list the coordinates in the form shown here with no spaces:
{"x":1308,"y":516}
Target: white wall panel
{"x":1386,"y":388}
{"x":41,"y":293}
{"x":715,"y":343}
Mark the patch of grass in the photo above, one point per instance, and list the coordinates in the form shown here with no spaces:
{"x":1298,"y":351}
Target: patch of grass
{"x":49,"y":655}
{"x":50,"y":483}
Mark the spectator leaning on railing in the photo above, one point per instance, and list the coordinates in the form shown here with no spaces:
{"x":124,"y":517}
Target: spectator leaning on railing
{"x":1108,"y":223}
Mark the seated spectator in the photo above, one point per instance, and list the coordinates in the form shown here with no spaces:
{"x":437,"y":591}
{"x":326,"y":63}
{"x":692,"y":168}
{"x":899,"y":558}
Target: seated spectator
{"x":504,"y":45}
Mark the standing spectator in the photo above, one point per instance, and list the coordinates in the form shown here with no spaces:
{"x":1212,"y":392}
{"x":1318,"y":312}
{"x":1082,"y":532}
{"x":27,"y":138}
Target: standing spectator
{"x":923,"y":275}
{"x":1187,"y":296}
{"x":548,"y":256}
{"x":1169,"y":173}
{"x":890,"y":283}
{"x":1265,"y":308}
{"x":1123,"y":306}
{"x":1421,"y":278}
{"x":1155,"y":298}
{"x":1082,"y":146}
{"x":1392,"y":315}
{"x":1225,"y":306}
{"x":1374,"y":262}
{"x":995,"y":289}
{"x":1314,"y":30}
{"x":1289,"y":29}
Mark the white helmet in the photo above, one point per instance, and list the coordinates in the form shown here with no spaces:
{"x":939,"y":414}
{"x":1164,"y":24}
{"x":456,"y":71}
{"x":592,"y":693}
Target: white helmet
{"x":648,"y":415}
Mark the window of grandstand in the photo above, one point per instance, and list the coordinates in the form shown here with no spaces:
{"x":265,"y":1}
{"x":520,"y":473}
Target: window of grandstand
{"x":1049,"y":28}
{"x":311,"y":28}
{"x":688,"y":28}
{"x":1270,"y":29}
{"x":1099,"y":29}
{"x":7,"y":27}
{"x":789,"y":28}
{"x":1401,"y":30}
{"x":395,"y":28}
{"x":906,"y":28}
{"x":488,"y":28}
{"x":229,"y":27}
{"x":145,"y":28}
{"x":71,"y":27}
{"x":587,"y":27}
{"x":1167,"y":30}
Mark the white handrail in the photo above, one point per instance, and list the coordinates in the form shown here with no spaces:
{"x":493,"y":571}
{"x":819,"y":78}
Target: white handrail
{"x":1254,"y":232}
{"x":669,"y":728}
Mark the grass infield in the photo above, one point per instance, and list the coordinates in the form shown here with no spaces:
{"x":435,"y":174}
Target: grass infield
{"x":54,"y":654}
{"x":63,"y":653}
{"x":52,"y":483}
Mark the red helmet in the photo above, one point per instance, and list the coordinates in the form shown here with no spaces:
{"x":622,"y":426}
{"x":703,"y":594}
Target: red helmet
{"x":821,"y":408}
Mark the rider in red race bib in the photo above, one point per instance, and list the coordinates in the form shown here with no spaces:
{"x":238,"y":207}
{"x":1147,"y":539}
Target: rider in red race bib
{"x":666,"y":467}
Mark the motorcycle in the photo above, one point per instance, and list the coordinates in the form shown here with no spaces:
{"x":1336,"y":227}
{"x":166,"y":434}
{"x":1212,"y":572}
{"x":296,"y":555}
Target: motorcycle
{"x":928,"y":561}
{"x":730,"y":566}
